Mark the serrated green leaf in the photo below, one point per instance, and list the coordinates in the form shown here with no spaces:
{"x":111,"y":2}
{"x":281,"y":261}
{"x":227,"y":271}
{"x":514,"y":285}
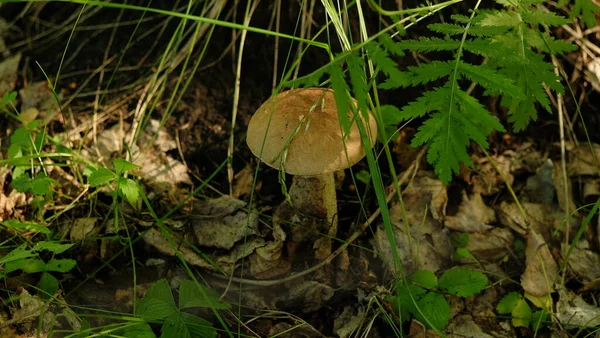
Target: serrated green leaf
{"x":425,"y":44}
{"x":40,"y":185}
{"x":463,"y":282}
{"x":22,"y":183}
{"x":22,"y":137}
{"x":158,"y":302}
{"x":428,"y":72}
{"x":502,"y":18}
{"x":193,"y":295}
{"x":521,"y":314}
{"x":381,"y":60}
{"x":508,"y":302}
{"x":122,"y":166}
{"x":490,"y":79}
{"x":389,"y":44}
{"x":29,"y":265}
{"x":8,"y":97}
{"x":538,"y":17}
{"x":129,"y":189}
{"x":424,"y":278}
{"x":197,"y":326}
{"x":447,"y":28}
{"x":539,"y":318}
{"x":435,"y":311}
{"x":60,"y":265}
{"x":100,"y":176}
{"x":402,"y":302}
{"x":53,"y":247}
{"x":430,"y":101}
{"x":586,"y":9}
{"x":508,"y":3}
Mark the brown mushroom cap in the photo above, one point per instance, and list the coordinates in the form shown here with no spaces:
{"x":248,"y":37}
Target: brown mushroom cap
{"x":317,"y":147}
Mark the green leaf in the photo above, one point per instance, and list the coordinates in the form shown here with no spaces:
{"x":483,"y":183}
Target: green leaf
{"x":508,"y":302}
{"x":122,"y":166}
{"x":40,"y":185}
{"x":29,"y":265}
{"x":521,"y":314}
{"x":53,"y":247}
{"x":424,"y":278}
{"x":501,"y":18}
{"x":8,"y":97}
{"x":539,"y":319}
{"x":197,"y":326}
{"x":538,"y":17}
{"x":463,"y":282}
{"x":22,"y":183}
{"x":586,"y":9}
{"x":425,"y":44}
{"x":101,"y":176}
{"x":430,"y":101}
{"x":402,"y":302}
{"x":435,"y":311}
{"x":157,"y":303}
{"x":356,"y":70}
{"x":48,"y":284}
{"x":194,"y":295}
{"x":380,"y":58}
{"x":490,"y":79}
{"x":18,"y":253}
{"x":21,"y":137}
{"x":129,"y":189}
{"x":363,"y":176}
{"x":140,"y":330}
{"x":28,"y":226}
{"x":429,"y":72}
{"x":60,"y":265}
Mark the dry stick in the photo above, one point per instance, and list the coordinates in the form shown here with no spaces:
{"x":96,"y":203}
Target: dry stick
{"x":392,"y":192}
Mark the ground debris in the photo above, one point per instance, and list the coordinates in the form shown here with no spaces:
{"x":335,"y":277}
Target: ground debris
{"x":473,"y":215}
{"x":541,"y":270}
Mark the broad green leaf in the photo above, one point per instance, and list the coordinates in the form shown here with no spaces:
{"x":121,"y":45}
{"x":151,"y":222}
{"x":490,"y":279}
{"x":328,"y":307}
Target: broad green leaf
{"x":40,"y":185}
{"x":22,"y":183}
{"x":193,"y":295}
{"x":435,"y":311}
{"x":54,"y":247}
{"x":101,"y":176}
{"x":16,"y":254}
{"x":521,"y":314}
{"x":539,"y":318}
{"x":508,"y":303}
{"x":130,"y":190}
{"x":141,"y":330}
{"x":29,"y":226}
{"x":60,"y":265}
{"x":158,"y":302}
{"x":29,"y":265}
{"x":122,"y":166}
{"x":22,"y":137}
{"x":424,"y":278}
{"x":8,"y":97}
{"x":197,"y":326}
{"x":402,"y":302}
{"x":48,"y":284}
{"x":463,"y":282}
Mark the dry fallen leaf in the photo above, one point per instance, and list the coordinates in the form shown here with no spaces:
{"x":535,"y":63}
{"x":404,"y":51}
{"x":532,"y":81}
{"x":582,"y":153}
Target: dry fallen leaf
{"x":348,"y":321}
{"x":582,"y":161}
{"x":464,"y":326}
{"x":423,"y":243}
{"x":487,"y":181}
{"x":490,"y":245}
{"x":540,"y":268}
{"x":472,"y":215}
{"x":9,"y":68}
{"x":584,"y":262}
{"x":156,"y":239}
{"x":39,"y":96}
{"x":571,"y":309}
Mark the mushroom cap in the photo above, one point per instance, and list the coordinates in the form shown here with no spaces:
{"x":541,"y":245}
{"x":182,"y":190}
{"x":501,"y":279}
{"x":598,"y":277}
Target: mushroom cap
{"x":306,"y":122}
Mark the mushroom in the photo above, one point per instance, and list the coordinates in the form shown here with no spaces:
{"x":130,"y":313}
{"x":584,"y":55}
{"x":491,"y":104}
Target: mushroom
{"x":298,"y":131}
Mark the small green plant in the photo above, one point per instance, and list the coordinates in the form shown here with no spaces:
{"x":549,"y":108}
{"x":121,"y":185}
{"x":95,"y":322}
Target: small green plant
{"x":422,"y":295}
{"x":158,"y":305}
{"x":127,"y":188}
{"x":32,"y":260}
{"x":460,"y":242}
{"x":520,"y":311}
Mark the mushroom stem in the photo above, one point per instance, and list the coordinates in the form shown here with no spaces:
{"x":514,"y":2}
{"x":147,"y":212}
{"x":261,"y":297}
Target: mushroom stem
{"x":315,"y":196}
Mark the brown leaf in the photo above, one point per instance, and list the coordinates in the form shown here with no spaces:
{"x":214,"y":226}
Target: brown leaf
{"x":491,"y":245}
{"x":472,"y":216}
{"x":540,"y":268}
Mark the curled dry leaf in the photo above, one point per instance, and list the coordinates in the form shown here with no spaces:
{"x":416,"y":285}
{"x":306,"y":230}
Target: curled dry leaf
{"x":221,"y":222}
{"x":156,"y":239}
{"x":464,"y":326}
{"x":582,"y":161}
{"x":472,"y":216}
{"x":490,"y":245}
{"x":348,"y":321}
{"x":540,"y":268}
{"x":82,"y":228}
{"x":540,"y":187}
{"x":487,"y":181}
{"x":308,"y":296}
{"x":571,"y":309}
{"x":584,"y":262}
{"x":423,"y":243}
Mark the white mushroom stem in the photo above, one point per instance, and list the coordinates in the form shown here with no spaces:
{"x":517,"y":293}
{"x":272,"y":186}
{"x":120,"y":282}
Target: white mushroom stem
{"x":315,"y":196}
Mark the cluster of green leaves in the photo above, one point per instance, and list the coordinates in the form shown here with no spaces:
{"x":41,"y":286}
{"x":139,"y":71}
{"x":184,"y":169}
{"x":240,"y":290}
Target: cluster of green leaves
{"x":127,"y":188}
{"x":158,"y":305}
{"x":520,"y":311}
{"x":29,"y":261}
{"x":422,"y":294}
{"x":503,"y":51}
{"x":514,"y":46}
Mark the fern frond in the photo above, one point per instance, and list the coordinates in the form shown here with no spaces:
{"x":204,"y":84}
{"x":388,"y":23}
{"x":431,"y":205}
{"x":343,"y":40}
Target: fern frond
{"x":501,"y":18}
{"x":587,"y":10}
{"x":429,"y":72}
{"x":380,"y":58}
{"x":490,"y":79}
{"x":536,"y":17}
{"x":430,"y":101}
{"x":425,"y":44}
{"x":356,"y":68}
{"x":547,"y":44}
{"x":341,"y":91}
